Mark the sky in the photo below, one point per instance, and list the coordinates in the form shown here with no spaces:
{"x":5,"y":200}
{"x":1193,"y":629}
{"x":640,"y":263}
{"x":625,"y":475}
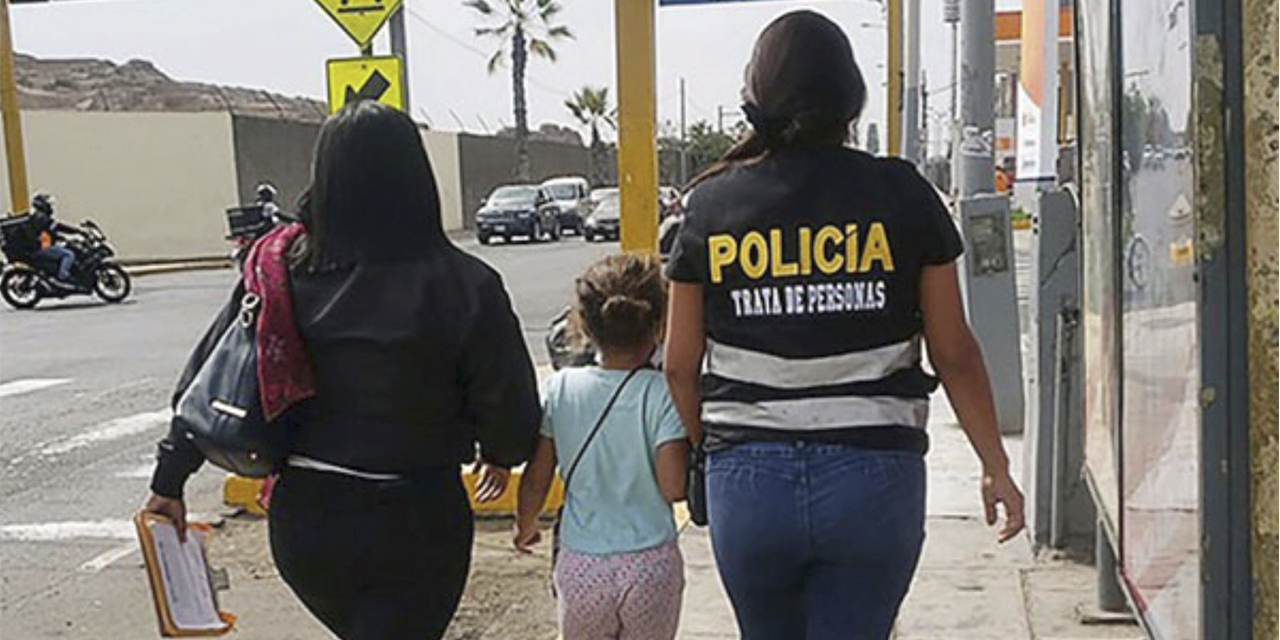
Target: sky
{"x":281,"y":46}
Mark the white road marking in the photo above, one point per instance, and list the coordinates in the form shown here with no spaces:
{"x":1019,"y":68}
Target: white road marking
{"x":141,"y":471}
{"x":110,"y":529}
{"x":15,"y":387}
{"x":109,"y":557}
{"x":105,"y":529}
{"x":108,"y":431}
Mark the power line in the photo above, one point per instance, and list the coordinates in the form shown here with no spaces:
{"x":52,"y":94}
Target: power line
{"x":534,"y":82}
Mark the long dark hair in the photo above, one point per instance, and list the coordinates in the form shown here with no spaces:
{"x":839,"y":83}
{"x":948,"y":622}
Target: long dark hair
{"x":802,"y":89}
{"x":373,"y":196}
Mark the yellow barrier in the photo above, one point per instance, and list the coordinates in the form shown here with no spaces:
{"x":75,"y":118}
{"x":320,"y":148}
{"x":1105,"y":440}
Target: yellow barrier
{"x":505,"y":505}
{"x":238,"y":491}
{"x":241,"y":492}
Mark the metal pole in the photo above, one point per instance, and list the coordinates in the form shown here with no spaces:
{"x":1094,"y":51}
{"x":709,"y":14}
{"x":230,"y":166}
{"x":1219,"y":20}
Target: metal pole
{"x":637,"y":154}
{"x":684,"y":140}
{"x":15,"y":155}
{"x":974,"y":161}
{"x":951,"y":16}
{"x":400,"y":47}
{"x":911,"y":101}
{"x":1110,"y":594}
{"x":893,"y":94}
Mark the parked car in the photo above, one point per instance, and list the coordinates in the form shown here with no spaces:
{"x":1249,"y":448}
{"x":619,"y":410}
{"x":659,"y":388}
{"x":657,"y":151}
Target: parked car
{"x":599,"y":194}
{"x":518,"y":210}
{"x":571,"y":196}
{"x":604,"y":219}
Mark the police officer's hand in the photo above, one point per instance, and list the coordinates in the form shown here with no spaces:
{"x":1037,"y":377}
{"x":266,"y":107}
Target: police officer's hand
{"x":492,"y":482}
{"x":173,"y":509}
{"x":999,"y":488}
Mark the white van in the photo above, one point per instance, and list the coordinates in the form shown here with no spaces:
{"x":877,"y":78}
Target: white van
{"x":572,"y":196}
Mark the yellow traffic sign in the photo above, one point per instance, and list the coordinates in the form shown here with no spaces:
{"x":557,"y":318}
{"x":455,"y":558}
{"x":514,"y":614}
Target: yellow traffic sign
{"x":361,"y":19}
{"x":374,"y":78}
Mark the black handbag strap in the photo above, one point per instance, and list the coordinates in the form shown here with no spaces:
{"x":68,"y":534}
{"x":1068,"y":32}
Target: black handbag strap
{"x":596,"y":429}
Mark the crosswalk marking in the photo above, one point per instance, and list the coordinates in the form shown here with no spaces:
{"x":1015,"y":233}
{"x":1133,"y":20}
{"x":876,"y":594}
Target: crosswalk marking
{"x":108,"y":431}
{"x":108,"y":529}
{"x":108,"y":557}
{"x":16,"y":387}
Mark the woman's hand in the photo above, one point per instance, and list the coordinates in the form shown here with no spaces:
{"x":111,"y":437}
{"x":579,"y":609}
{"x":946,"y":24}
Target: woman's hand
{"x":493,"y":481}
{"x":527,"y":535}
{"x":999,"y":488}
{"x":173,"y":509}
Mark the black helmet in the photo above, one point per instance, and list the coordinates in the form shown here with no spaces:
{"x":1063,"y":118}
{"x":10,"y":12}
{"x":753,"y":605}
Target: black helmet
{"x":266,"y":192}
{"x":43,"y":203}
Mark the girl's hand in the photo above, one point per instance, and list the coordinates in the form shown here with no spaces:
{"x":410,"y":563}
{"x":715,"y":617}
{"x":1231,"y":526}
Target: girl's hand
{"x":999,"y":488}
{"x":171,"y":508}
{"x":493,"y":481}
{"x":526,"y":536}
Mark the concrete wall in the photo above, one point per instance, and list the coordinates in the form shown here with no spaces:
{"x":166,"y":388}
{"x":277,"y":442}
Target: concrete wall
{"x":1262,"y":139}
{"x":276,"y":151}
{"x":280,"y":151}
{"x":486,"y":162}
{"x":157,"y":183}
{"x":442,"y":150}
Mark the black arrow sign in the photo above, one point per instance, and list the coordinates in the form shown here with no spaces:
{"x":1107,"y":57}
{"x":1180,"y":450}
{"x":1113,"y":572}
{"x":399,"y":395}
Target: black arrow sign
{"x":373,"y":88}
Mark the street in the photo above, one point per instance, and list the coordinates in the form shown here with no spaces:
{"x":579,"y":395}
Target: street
{"x":85,"y":390}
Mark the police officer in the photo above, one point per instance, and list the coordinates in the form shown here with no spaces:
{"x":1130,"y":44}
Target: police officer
{"x":806,"y":278}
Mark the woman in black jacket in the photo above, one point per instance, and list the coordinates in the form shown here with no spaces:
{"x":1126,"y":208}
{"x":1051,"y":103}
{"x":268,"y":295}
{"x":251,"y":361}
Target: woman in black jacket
{"x":419,"y":365}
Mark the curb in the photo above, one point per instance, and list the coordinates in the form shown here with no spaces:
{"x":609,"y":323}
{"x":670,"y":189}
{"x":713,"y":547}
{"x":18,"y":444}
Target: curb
{"x":151,"y":269}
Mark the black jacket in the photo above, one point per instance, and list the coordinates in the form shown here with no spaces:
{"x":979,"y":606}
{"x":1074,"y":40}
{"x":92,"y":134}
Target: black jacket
{"x":415,"y":363}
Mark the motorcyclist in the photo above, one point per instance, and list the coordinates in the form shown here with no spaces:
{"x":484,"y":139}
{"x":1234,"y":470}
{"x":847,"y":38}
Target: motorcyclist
{"x":266,"y":198}
{"x":51,"y":234}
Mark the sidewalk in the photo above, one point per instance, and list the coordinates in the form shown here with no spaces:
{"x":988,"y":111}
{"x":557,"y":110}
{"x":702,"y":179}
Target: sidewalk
{"x":967,"y":586}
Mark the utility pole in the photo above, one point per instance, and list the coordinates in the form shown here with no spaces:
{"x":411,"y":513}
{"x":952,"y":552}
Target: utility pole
{"x":400,"y":48}
{"x":951,"y":16}
{"x":15,"y":154}
{"x":924,"y":119}
{"x":893,"y":113}
{"x":684,"y":140}
{"x":911,"y":103}
{"x":974,"y":162}
{"x":637,"y":154}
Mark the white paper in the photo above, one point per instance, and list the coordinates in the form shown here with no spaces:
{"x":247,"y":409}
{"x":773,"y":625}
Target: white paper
{"x":185,"y":576}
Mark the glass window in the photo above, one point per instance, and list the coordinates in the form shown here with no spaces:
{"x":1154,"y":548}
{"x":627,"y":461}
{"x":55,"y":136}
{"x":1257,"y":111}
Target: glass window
{"x":1097,"y":207}
{"x":1160,"y":413}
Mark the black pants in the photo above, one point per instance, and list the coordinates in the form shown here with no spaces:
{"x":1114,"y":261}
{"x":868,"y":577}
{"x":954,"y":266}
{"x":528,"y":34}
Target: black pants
{"x":380,"y":560}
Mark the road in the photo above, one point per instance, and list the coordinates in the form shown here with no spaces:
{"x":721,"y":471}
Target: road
{"x":84,"y":389}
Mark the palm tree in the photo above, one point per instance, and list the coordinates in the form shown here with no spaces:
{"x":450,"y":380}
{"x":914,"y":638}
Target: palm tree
{"x":590,"y":107}
{"x":521,"y":27}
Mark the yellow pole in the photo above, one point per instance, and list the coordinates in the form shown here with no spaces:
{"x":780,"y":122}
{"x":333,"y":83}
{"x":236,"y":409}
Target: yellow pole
{"x":893,"y":92}
{"x":13,"y":149}
{"x":637,"y":153}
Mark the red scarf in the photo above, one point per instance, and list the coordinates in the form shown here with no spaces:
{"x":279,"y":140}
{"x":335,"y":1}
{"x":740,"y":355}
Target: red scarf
{"x":284,"y":369}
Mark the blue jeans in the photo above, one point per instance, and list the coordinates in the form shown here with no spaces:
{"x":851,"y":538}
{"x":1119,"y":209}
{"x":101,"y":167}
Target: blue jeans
{"x":63,"y":255}
{"x":815,"y":541}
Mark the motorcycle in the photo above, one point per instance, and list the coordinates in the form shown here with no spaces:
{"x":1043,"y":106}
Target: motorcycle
{"x":26,"y":280}
{"x":246,"y":224}
{"x":563,"y":347}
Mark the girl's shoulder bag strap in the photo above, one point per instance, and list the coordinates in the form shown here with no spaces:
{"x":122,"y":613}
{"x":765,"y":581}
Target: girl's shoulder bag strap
{"x":596,"y":429}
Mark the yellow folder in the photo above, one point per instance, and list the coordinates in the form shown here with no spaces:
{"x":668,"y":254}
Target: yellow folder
{"x":181,"y":584}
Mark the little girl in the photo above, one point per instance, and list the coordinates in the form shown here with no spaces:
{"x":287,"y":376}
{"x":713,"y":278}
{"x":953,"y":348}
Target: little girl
{"x":622,"y":450}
